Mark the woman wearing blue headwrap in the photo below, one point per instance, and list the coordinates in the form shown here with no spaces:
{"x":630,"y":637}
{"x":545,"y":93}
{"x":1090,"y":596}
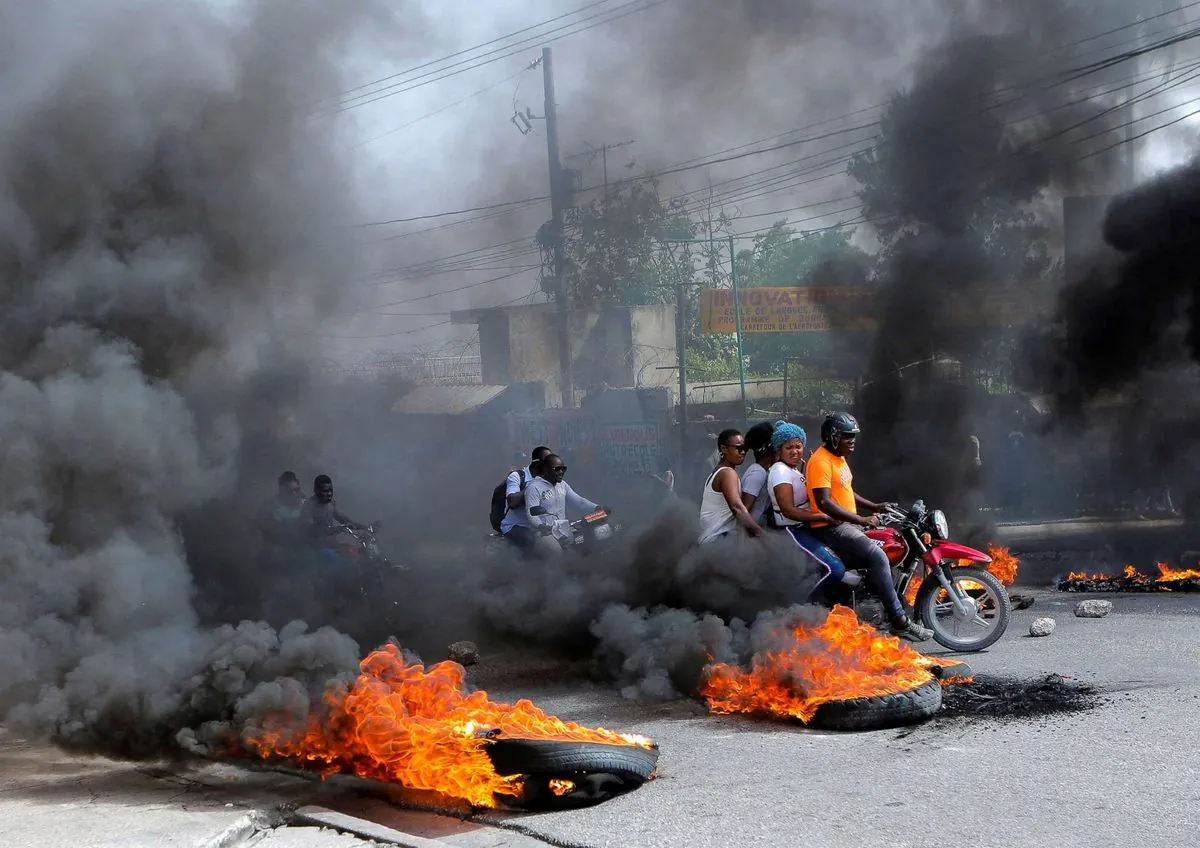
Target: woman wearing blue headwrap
{"x":789,"y":500}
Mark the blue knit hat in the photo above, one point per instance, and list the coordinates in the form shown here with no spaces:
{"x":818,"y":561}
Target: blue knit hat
{"x":785,"y":432}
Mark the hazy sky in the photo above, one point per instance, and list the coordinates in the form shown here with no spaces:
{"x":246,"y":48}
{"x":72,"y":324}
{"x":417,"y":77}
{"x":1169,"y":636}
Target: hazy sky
{"x":681,"y":78}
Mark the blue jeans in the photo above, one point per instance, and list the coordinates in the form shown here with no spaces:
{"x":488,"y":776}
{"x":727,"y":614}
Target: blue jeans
{"x":851,"y":544}
{"x":834,"y":568}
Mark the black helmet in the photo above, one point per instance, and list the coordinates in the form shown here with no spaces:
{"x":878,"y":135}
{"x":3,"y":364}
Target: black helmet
{"x":836,"y":425}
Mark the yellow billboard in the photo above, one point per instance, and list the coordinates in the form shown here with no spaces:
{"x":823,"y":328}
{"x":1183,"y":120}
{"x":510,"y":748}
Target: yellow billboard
{"x":820,"y":309}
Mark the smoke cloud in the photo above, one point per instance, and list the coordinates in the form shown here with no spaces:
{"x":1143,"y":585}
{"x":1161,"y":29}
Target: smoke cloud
{"x":163,"y":197}
{"x":1126,"y":342}
{"x":992,"y":133}
{"x":651,"y":608}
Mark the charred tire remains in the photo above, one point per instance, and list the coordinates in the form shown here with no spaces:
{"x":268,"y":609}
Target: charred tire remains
{"x":880,"y":712}
{"x":572,"y":774}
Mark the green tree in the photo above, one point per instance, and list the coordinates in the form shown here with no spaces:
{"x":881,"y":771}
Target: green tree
{"x":613,"y":247}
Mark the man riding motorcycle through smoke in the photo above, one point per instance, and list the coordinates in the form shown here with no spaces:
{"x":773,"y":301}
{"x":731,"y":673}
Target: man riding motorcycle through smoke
{"x":322,"y":519}
{"x":830,"y":490}
{"x":547,"y":499}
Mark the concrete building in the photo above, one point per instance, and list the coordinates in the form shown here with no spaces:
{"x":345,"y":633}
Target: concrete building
{"x":614,"y":347}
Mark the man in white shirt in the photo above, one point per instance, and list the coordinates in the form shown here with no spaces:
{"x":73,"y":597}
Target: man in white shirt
{"x":515,"y":525}
{"x":555,"y":497}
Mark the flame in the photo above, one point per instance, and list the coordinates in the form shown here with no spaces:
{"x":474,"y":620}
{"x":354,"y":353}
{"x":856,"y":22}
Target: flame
{"x":1003,"y":565}
{"x":560,"y":786}
{"x":1165,"y":572}
{"x":841,"y":659}
{"x":399,"y":721}
{"x":1130,"y":574}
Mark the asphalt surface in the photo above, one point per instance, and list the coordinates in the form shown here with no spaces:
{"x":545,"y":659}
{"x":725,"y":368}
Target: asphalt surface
{"x":1123,"y":773}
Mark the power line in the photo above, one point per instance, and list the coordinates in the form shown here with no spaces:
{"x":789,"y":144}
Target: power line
{"x":506,"y":52}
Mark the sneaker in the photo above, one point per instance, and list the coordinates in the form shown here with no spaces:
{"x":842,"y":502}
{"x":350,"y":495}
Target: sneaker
{"x":913,"y":632}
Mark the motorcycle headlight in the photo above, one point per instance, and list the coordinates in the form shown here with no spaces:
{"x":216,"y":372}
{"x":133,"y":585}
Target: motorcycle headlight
{"x":940,"y":527}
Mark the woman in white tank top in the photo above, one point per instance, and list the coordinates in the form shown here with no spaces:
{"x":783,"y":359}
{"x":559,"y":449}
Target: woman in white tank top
{"x":721,"y":507}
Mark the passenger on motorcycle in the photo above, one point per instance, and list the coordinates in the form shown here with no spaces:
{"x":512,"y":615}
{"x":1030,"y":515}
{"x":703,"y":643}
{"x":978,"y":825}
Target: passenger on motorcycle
{"x":288,"y":498}
{"x":830,"y":489}
{"x":789,"y":500}
{"x":322,"y":519}
{"x":515,"y":526}
{"x":280,"y":522}
{"x":754,"y":480}
{"x":549,"y":491}
{"x":721,"y":507}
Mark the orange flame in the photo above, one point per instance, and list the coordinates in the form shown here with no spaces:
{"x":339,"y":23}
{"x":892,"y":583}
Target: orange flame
{"x":401,"y":722}
{"x":1003,"y":567}
{"x":1131,"y":574}
{"x":842,"y":658}
{"x":1165,"y":572}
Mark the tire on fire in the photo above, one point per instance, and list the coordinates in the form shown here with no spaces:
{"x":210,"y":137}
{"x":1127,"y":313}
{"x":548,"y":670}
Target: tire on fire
{"x":881,"y":711}
{"x":592,"y":771}
{"x":631,"y":763}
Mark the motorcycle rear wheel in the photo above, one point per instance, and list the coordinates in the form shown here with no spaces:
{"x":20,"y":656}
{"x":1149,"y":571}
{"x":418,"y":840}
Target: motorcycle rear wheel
{"x":991,"y":599}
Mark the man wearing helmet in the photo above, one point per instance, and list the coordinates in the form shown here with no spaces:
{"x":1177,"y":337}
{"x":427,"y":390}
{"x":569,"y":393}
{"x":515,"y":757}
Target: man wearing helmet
{"x":830,"y":489}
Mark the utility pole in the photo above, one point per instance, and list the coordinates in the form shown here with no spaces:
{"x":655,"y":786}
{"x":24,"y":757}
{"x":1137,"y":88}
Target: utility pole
{"x":602,"y":151}
{"x":557,"y":202}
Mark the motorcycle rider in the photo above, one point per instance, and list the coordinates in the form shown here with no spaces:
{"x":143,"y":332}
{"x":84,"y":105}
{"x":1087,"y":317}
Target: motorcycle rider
{"x":789,"y":499}
{"x":515,"y":527}
{"x":551,"y":496}
{"x":830,"y":489}
{"x":721,"y":507}
{"x":322,"y":518}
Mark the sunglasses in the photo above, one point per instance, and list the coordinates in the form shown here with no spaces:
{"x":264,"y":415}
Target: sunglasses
{"x":562,"y":469}
{"x":738,"y":448}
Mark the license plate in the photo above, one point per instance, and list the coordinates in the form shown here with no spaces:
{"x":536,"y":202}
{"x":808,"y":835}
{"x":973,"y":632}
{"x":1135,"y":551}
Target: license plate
{"x":603,"y":531}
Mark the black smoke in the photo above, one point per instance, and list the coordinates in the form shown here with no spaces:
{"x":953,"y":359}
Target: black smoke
{"x":996,"y":126}
{"x":1121,"y":359}
{"x":652,"y":607}
{"x":172,"y":227}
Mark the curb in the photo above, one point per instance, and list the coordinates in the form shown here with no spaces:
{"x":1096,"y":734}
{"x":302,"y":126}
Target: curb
{"x":363,"y":829}
{"x":243,"y":830}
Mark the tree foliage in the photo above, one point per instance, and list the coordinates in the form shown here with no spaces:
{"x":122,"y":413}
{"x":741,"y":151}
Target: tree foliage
{"x":612,"y":246}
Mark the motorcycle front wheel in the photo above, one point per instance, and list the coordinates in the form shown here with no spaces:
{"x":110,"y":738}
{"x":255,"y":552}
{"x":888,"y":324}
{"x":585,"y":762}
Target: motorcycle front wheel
{"x":950,"y":627}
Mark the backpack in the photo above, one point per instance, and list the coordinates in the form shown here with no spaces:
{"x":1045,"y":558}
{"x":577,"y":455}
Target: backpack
{"x":500,"y":501}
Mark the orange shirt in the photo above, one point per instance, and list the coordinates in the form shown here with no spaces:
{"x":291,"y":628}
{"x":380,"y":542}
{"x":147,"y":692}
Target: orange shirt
{"x":826,"y":470}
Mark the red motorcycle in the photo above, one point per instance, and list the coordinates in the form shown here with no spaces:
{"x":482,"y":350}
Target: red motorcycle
{"x":964,"y":605}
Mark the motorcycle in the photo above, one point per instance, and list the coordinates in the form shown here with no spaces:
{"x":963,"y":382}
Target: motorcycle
{"x":965,"y":606}
{"x":586,"y":535}
{"x":367,"y":567}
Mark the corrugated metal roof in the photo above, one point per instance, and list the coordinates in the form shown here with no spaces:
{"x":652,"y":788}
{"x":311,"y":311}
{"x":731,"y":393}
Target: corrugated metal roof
{"x":446,"y":400}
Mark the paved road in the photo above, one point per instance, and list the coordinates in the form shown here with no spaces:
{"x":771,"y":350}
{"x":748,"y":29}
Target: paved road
{"x":1123,"y":774}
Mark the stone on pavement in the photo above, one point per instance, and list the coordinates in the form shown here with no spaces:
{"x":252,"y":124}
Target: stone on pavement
{"x":464,"y":653}
{"x":1041,"y":627}
{"x":1093,"y":608}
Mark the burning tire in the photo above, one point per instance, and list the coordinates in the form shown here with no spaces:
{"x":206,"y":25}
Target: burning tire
{"x":631,"y":763}
{"x":572,"y":774}
{"x":881,"y":711}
